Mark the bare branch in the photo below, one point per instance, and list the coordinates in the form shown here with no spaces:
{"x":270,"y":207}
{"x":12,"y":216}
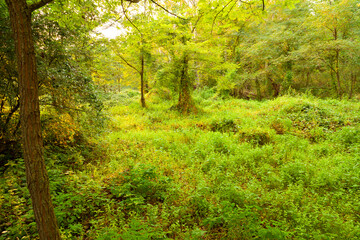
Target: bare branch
{"x":126,"y":16}
{"x":197,"y":21}
{"x":38,"y":5}
{"x":127,"y":63}
{"x":212,"y":27}
{"x":231,"y":8}
{"x":166,"y":10}
{"x":116,"y":13}
{"x":245,"y":2}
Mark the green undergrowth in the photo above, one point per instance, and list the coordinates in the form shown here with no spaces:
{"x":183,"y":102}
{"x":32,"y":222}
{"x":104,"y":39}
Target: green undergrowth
{"x":279,"y":169}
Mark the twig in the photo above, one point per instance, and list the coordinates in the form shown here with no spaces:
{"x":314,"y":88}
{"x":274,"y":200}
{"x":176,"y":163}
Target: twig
{"x":122,"y":5}
{"x":127,"y":63}
{"x":212,"y":27}
{"x":197,"y":21}
{"x":166,"y":10}
{"x":232,"y":7}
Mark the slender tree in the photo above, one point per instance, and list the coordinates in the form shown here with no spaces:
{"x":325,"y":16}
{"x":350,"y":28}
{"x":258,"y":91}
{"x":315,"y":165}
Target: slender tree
{"x":36,"y":174}
{"x":142,"y":62}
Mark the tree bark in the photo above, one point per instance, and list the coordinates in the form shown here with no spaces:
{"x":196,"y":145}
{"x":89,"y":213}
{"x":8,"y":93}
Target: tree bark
{"x":337,"y":68}
{"x":337,"y":71}
{"x":142,"y":90}
{"x":36,"y":174}
{"x":275,"y":87}
{"x":185,"y":103}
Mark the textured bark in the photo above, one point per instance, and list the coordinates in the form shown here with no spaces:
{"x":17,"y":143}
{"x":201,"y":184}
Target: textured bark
{"x":185,"y":103}
{"x":36,"y":174}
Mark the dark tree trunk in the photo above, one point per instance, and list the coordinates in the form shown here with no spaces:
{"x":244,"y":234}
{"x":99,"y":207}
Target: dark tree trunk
{"x":142,"y":88}
{"x":36,"y":174}
{"x":146,"y":88}
{"x":185,"y":103}
{"x":352,"y":85}
{"x":332,"y":76}
{"x":337,"y":71}
{"x":275,"y":86}
{"x":337,"y":67}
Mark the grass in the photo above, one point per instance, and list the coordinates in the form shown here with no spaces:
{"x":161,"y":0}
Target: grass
{"x":279,"y":169}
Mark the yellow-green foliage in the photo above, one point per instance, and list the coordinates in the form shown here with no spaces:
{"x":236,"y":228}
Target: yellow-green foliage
{"x":279,"y":169}
{"x":59,"y":129}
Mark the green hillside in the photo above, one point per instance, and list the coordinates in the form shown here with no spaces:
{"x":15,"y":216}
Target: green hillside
{"x":279,"y":169}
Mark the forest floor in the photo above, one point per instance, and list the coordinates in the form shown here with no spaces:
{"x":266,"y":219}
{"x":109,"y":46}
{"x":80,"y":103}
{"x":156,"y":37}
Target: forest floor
{"x":277,"y":169}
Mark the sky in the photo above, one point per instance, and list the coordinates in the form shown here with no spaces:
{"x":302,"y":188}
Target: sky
{"x":110,"y":30}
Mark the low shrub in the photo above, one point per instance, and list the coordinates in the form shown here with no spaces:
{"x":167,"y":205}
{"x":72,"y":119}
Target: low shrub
{"x":223,"y":125}
{"x":139,"y":185}
{"x":255,"y":136}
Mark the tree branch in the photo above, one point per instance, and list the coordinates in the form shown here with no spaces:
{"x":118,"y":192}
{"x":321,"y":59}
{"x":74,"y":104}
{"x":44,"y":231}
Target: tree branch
{"x":11,"y":113}
{"x":197,"y":21}
{"x":166,"y":10}
{"x":232,"y":7}
{"x":126,"y":16}
{"x":38,"y":5}
{"x":212,"y":27}
{"x":16,"y":128}
{"x":127,"y":63}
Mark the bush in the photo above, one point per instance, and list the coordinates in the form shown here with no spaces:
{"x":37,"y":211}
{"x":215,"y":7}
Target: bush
{"x":223,"y":125}
{"x":255,"y":136}
{"x":139,"y":186}
{"x":348,"y":136}
{"x":295,"y":173}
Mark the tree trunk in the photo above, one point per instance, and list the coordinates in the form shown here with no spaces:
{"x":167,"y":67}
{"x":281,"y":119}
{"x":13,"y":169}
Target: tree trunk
{"x":146,"y":87}
{"x":36,"y":174}
{"x":337,"y":71}
{"x":143,"y":104}
{"x":333,"y":81}
{"x":275,"y":86}
{"x":337,"y":68}
{"x":185,"y":103}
